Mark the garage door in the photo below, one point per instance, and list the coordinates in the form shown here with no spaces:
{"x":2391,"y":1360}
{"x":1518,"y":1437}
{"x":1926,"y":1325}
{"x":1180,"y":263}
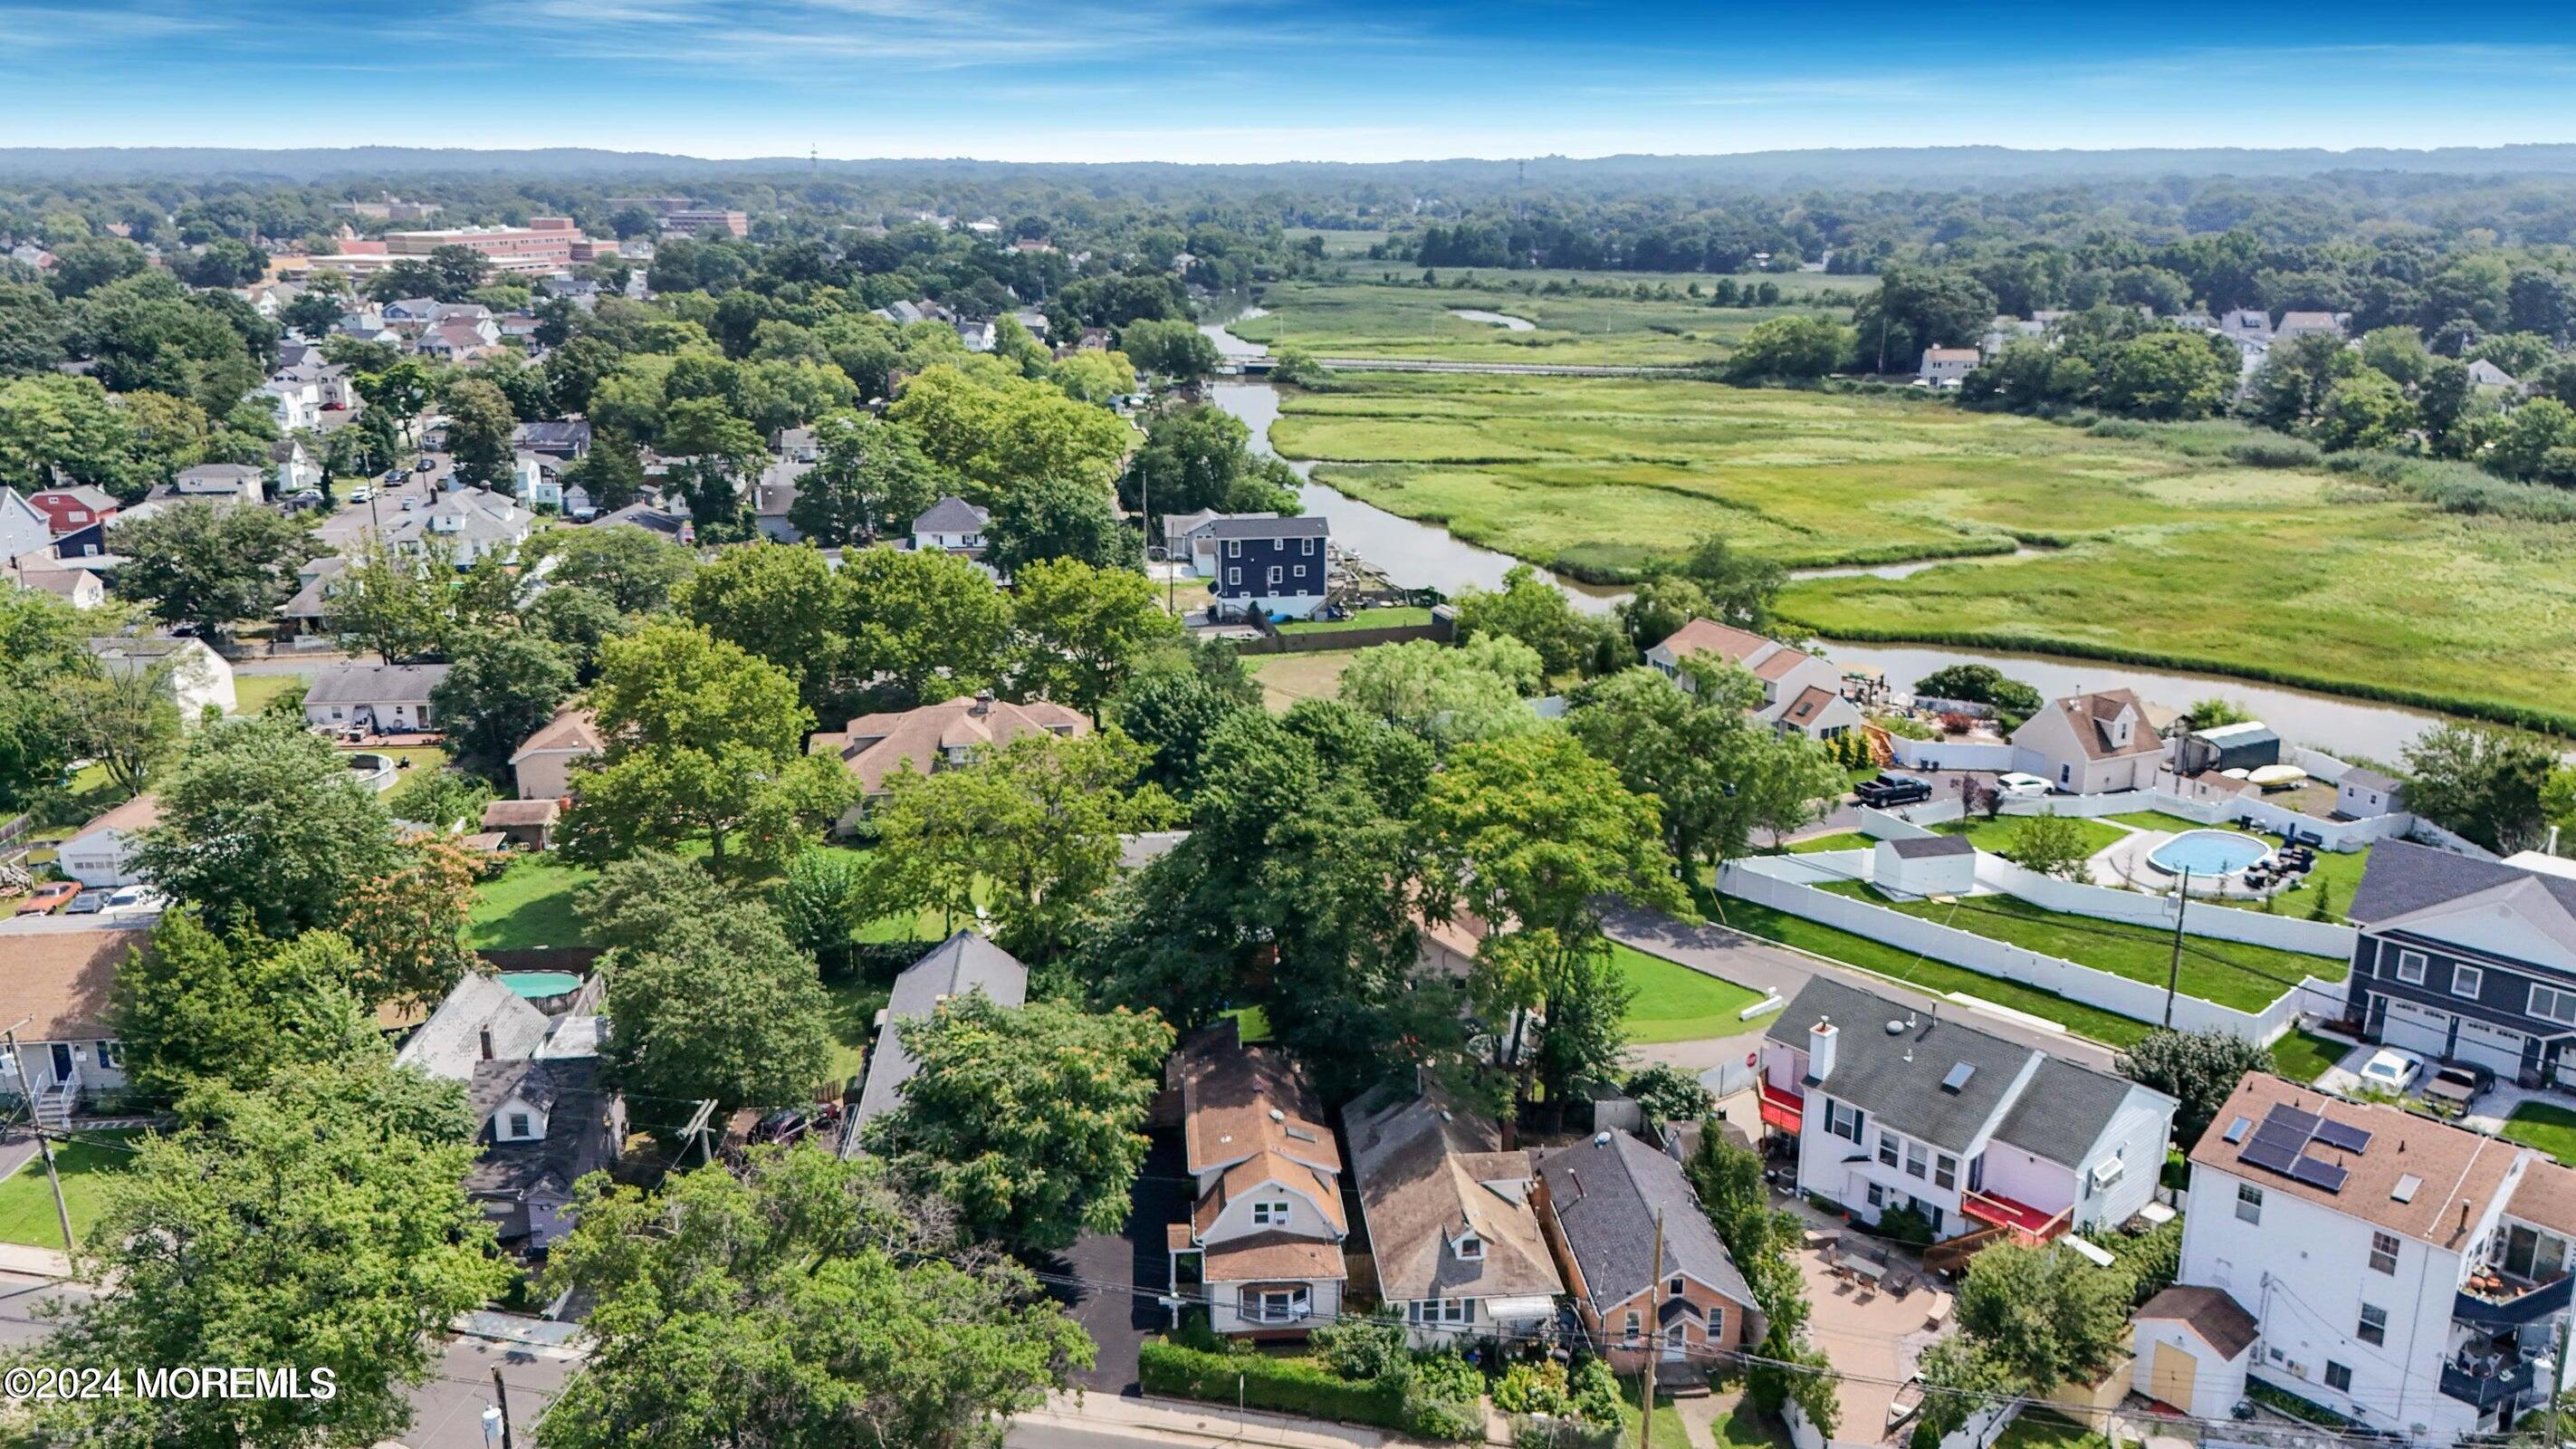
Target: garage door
{"x":2491,"y":1047}
{"x":2416,"y":1029}
{"x":2169,"y":1378}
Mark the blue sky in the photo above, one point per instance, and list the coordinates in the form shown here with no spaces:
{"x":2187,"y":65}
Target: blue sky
{"x":1262,"y":81}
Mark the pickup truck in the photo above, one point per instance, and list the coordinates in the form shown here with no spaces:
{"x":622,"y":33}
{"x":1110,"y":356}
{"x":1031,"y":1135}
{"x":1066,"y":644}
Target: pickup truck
{"x":1889,"y":790}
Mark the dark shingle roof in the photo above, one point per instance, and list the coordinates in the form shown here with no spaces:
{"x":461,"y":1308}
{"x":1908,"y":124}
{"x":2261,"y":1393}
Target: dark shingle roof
{"x":2404,"y":877}
{"x":567,"y":1090}
{"x":951,"y":515}
{"x":1931,"y":846}
{"x":1306,"y":526}
{"x":375,"y":683}
{"x":963,"y":963}
{"x":2212,"y":1313}
{"x":1872,"y":1073}
{"x":2063,"y":1111}
{"x":1605,"y":1196}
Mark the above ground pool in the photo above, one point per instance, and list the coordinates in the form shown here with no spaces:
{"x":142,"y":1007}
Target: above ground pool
{"x":538,"y":985}
{"x":2208,"y":853}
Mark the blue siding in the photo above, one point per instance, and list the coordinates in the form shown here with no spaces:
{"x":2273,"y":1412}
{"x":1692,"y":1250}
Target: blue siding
{"x":1243,"y":567}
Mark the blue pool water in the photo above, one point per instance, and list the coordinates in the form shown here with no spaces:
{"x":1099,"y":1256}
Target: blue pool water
{"x":537,"y":985}
{"x":2208,"y":852}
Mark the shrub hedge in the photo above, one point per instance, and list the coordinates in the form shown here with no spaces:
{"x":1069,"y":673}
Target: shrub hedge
{"x":1293,"y":1386}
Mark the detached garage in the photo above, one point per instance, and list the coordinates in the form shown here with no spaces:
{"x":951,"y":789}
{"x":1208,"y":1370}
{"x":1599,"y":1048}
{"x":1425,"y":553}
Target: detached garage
{"x":2193,"y":1346}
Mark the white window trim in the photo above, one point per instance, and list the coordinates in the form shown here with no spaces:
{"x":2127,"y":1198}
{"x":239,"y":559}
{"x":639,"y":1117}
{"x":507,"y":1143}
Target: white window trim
{"x":2410,"y":967}
{"x":2249,"y":1203}
{"x":1469,"y":1248}
{"x":2466,"y":980}
{"x":2566,"y":999}
{"x":1269,"y":1212}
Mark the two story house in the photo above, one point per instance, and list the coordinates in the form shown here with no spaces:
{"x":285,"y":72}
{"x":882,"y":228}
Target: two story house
{"x":1599,"y":1202}
{"x":1892,"y":1107}
{"x":2468,"y":960}
{"x":1272,"y":566}
{"x":1264,"y":1237}
{"x":1801,"y":692}
{"x":542,"y":764}
{"x":2091,"y":744}
{"x":952,"y":525}
{"x":544,"y":1123}
{"x":2406,"y":1274}
{"x":875,"y":746}
{"x":1457,"y":1248}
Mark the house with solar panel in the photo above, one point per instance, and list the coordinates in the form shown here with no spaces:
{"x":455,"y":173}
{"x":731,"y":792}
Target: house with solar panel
{"x":2403,"y":1273}
{"x":1984,"y":1137}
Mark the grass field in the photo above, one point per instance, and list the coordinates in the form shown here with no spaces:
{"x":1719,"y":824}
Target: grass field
{"x":2229,"y":973}
{"x":1400,"y":618}
{"x":1362,"y":319}
{"x":852,"y":1016}
{"x":2551,"y":1129}
{"x":2166,"y":551}
{"x":1839,"y":840}
{"x":2303,"y":1056}
{"x":252,"y":692}
{"x":89,"y":1170}
{"x":2338,"y":872}
{"x":1937,"y":977}
{"x":1288,"y":678}
{"x":1675,"y":1003}
{"x":1996,"y":836}
{"x":535,"y":903}
{"x":2041,"y":1429}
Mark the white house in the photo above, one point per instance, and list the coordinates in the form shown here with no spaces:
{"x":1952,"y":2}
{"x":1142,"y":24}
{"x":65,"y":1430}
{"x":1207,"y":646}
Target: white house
{"x":2091,"y":744}
{"x":220,"y":483}
{"x":24,"y":529}
{"x":2401,"y":1272}
{"x":953,"y":525}
{"x":297,"y":469}
{"x":1266,"y":1223}
{"x":60,"y":987}
{"x":1947,"y":366}
{"x":199,"y":678}
{"x":537,"y":479}
{"x":374,"y":698}
{"x":462,"y":526}
{"x":1801,"y":692}
{"x":102,"y":854}
{"x":542,"y":764}
{"x":294,"y":399}
{"x":1892,"y":1108}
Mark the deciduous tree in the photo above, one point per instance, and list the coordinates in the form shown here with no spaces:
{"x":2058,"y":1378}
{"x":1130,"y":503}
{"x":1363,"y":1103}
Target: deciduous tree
{"x":717,"y":1005}
{"x":261,"y":825}
{"x":1085,"y":628}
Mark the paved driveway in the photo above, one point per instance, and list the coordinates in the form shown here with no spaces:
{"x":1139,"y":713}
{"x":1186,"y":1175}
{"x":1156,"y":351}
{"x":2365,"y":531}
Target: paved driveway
{"x":1122,"y":1273}
{"x":1945,"y":786}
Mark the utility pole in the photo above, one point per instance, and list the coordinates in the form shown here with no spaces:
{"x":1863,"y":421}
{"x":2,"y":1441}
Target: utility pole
{"x":702,"y":1129}
{"x":1654,"y":1342}
{"x":2557,"y":1376}
{"x":2173,"y":971}
{"x":501,"y":1393}
{"x":44,"y":1144}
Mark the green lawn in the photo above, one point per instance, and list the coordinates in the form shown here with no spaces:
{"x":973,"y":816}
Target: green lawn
{"x":1839,"y":840}
{"x":853,"y":1017}
{"x":1937,"y":977}
{"x":2303,"y":1056}
{"x":2229,"y":973}
{"x":1252,"y":1024}
{"x":1668,"y":1421}
{"x":1400,"y":618}
{"x":89,"y":1170}
{"x":2551,"y":1129}
{"x":1996,"y":836}
{"x":2337,"y":873}
{"x":2166,"y":550}
{"x":1675,"y":1003}
{"x":529,"y":904}
{"x":1365,"y":318}
{"x":252,"y":692}
{"x":2045,"y":1429}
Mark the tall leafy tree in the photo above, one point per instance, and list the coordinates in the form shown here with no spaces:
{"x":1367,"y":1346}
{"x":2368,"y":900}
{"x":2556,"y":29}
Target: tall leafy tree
{"x":2199,"y":1069}
{"x":723,"y":451}
{"x":1030,"y":1120}
{"x":719,"y":1005}
{"x":1085,"y":628}
{"x":206,"y":566}
{"x":801,"y":1301}
{"x":479,"y":423}
{"x":1058,"y":518}
{"x":261,"y":825}
{"x":318,"y":1222}
{"x":2484,"y":783}
{"x":922,"y":626}
{"x":705,"y":743}
{"x":398,"y":607}
{"x":777,"y":602}
{"x":869,"y":478}
{"x":196,"y":1006}
{"x":636,"y":568}
{"x":409,"y":923}
{"x":503,"y":685}
{"x":1447,"y":696}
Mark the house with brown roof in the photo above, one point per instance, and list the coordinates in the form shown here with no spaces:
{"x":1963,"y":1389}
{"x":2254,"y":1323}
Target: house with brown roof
{"x":937,"y":736}
{"x":58,"y":986}
{"x":2407,"y":1274}
{"x":102,"y":854}
{"x":1264,"y":1238}
{"x":529,"y":823}
{"x":1801,"y":692}
{"x":1450,"y":1231}
{"x":542,"y":764}
{"x":2091,"y":744}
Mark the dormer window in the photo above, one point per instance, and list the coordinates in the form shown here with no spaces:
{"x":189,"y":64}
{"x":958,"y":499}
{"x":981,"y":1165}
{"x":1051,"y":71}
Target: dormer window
{"x":1270,"y":1214}
{"x":1471,"y":1249}
{"x":521,"y":1126}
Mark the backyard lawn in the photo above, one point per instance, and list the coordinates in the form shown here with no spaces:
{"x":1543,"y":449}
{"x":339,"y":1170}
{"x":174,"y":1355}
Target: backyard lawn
{"x":1668,"y":1420}
{"x":1675,"y":1003}
{"x":1996,"y":836}
{"x":2551,"y":1129}
{"x":1937,"y":977}
{"x":2303,"y":1056}
{"x":2041,"y":1429}
{"x":529,"y":904}
{"x":2337,"y":873}
{"x":2229,"y":973}
{"x":1400,"y":618}
{"x":252,"y":692}
{"x":852,"y":1017}
{"x":89,"y":1170}
{"x":1839,"y":840}
{"x":1288,"y":678}
{"x":2157,"y":549}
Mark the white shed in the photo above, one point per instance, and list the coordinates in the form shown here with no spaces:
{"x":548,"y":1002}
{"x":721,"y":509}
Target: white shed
{"x":1937,"y":865}
{"x":2193,"y":1346}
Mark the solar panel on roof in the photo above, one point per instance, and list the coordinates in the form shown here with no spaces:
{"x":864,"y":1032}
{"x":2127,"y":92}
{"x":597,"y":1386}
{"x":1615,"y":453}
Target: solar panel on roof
{"x":2294,"y":1120}
{"x":2318,"y":1174}
{"x":2270,"y":1156}
{"x":2343,"y":1135}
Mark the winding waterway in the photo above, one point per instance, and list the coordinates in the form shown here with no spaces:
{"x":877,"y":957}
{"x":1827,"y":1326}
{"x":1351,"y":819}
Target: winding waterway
{"x":1422,"y":555}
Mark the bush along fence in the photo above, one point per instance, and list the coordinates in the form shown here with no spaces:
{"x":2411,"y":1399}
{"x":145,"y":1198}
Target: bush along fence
{"x":1293,"y":1386}
{"x":1788,"y":883}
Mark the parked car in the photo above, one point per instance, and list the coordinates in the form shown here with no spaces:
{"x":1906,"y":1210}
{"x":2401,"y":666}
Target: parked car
{"x":87,"y":903}
{"x":1889,"y":790}
{"x":2458,"y":1084}
{"x":361,"y":495}
{"x":48,"y":899}
{"x":2392,"y":1070}
{"x":126,"y":897}
{"x":2019,"y":786}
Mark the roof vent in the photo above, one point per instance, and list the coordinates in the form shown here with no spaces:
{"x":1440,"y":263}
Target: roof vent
{"x":2404,"y":1191}
{"x":1600,"y":1139}
{"x":1957,"y":1080}
{"x":1895,"y":1027}
{"x":1278,"y":1116}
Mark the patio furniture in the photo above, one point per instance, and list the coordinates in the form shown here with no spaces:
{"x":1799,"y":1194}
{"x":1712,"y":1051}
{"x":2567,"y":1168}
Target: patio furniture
{"x":1940,"y":1313}
{"x":1867,"y":1269}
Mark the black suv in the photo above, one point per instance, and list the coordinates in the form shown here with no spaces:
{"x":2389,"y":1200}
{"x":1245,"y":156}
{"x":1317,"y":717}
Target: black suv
{"x":1891,"y":790}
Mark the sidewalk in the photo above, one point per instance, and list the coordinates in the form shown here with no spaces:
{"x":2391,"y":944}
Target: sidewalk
{"x":1179,"y":1421}
{"x":35,"y":1262}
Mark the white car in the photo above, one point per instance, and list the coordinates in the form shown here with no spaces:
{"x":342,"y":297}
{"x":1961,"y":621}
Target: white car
{"x":361,"y":495}
{"x":2391,"y":1070}
{"x":2021,"y":787}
